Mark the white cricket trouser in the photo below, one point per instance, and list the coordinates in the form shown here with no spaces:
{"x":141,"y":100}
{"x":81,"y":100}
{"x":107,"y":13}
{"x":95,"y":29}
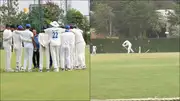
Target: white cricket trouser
{"x":42,"y":51}
{"x":59,"y":56}
{"x":75,"y":57}
{"x":94,"y":51}
{"x":8,"y":53}
{"x":28,"y":54}
{"x":130,"y":49}
{"x":55,"y":56}
{"x":80,"y":48}
{"x":18,"y":53}
{"x":65,"y":57}
{"x":72,"y":56}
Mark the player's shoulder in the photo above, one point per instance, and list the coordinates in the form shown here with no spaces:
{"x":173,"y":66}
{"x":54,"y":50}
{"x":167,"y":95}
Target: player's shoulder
{"x":6,"y":30}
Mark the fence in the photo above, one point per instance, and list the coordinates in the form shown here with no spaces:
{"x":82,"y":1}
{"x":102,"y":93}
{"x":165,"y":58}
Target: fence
{"x":154,"y":45}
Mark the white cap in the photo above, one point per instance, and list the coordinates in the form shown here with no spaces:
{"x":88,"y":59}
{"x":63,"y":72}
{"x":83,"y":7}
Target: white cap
{"x":54,"y":24}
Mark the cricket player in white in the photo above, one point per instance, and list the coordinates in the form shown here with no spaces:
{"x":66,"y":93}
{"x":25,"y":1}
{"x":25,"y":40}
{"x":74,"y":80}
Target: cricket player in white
{"x":94,"y":48}
{"x":72,"y":48}
{"x":79,"y":48}
{"x":17,"y":47}
{"x":29,"y":45}
{"x":44,"y":40}
{"x":55,"y":42}
{"x":67,"y":39}
{"x":7,"y":42}
{"x":129,"y":46}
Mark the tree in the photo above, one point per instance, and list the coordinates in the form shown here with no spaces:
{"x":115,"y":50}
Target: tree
{"x":52,"y":12}
{"x":134,"y":18}
{"x":44,"y":14}
{"x":9,"y":11}
{"x":130,"y":18}
{"x":74,"y":16}
{"x":102,"y":18}
{"x":21,"y":18}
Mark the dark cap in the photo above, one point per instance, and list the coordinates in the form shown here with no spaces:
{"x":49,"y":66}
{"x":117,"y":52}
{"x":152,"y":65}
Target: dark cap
{"x":12,"y":26}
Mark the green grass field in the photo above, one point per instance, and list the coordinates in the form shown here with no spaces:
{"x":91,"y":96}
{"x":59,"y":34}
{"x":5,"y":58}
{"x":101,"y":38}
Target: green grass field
{"x":72,"y":85}
{"x":121,"y":76}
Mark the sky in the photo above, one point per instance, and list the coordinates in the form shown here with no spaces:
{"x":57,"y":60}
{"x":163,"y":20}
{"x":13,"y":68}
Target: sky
{"x":81,"y":5}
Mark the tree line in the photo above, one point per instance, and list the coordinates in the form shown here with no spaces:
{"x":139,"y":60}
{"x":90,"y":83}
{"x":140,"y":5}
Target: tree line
{"x":41,"y":15}
{"x":134,"y":18}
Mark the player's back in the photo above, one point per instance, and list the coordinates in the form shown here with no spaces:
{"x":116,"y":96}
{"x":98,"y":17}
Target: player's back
{"x":54,"y":34}
{"x":17,"y":40}
{"x":27,"y":35}
{"x":78,"y":35}
{"x":67,"y":38}
{"x":7,"y":33}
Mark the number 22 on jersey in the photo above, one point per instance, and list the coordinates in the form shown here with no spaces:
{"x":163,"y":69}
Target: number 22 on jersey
{"x":55,"y":35}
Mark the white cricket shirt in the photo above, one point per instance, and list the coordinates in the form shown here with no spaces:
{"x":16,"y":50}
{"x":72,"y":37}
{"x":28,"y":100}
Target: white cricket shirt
{"x":67,"y":38}
{"x":78,"y":35}
{"x":127,"y":43}
{"x":7,"y":37}
{"x":17,"y":40}
{"x":54,"y":34}
{"x":44,"y":39}
{"x":26,"y":37}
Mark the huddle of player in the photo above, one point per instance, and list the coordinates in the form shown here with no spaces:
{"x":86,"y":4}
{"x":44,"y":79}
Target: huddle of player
{"x":66,"y":46}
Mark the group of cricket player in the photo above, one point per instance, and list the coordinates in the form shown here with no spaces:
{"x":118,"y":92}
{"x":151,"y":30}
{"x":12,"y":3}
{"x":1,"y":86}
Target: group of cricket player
{"x":65,"y":44}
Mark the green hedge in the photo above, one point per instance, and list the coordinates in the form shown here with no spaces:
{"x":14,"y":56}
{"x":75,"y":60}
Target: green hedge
{"x":155,"y":45}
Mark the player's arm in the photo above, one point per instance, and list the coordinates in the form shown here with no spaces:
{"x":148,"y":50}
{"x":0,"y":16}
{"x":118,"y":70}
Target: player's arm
{"x":26,"y":40}
{"x":40,"y":39}
{"x":124,"y":44}
{"x":7,"y":38}
{"x":81,"y":31}
{"x":32,"y":38}
{"x":21,"y":36}
{"x":49,"y":39}
{"x":73,"y":31}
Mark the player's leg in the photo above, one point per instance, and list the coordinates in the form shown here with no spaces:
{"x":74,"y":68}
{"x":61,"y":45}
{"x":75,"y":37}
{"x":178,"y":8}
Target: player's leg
{"x":129,"y":49}
{"x":71,"y":50}
{"x":41,"y":58}
{"x":83,"y":47}
{"x":25,"y":58}
{"x":53,"y":54}
{"x":50,"y":58}
{"x":62,"y":51}
{"x":75,"y":57}
{"x":34,"y":59}
{"x":47,"y":58}
{"x":68,"y":58}
{"x":20,"y":57}
{"x":57,"y":56}
{"x":8,"y":58}
{"x":37,"y":58}
{"x":79,"y":58}
{"x":30,"y":55}
{"x":17,"y":64}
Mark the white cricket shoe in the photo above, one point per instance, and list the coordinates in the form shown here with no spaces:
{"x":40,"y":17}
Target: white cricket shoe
{"x":17,"y":69}
{"x":56,"y":70}
{"x":29,"y":70}
{"x":9,"y":70}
